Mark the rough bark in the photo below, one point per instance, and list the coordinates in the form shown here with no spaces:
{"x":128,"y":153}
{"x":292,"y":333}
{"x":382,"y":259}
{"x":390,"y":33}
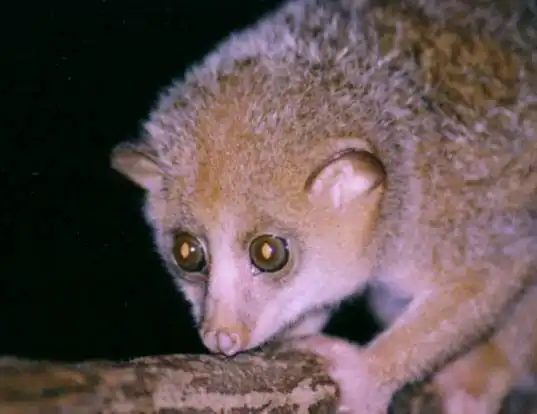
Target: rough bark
{"x":285,"y":382}
{"x":269,"y":383}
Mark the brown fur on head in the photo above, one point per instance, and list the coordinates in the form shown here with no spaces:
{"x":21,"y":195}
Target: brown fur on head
{"x":246,"y":168}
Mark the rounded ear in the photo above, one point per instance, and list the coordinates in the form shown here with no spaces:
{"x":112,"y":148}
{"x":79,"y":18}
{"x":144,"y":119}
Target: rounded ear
{"x":138,"y":165}
{"x":349,"y":174}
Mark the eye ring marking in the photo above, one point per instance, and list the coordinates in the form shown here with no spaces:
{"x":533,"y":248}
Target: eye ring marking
{"x":269,"y":253}
{"x":189,"y":253}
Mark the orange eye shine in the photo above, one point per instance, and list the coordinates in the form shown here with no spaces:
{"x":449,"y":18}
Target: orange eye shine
{"x":189,"y":253}
{"x":269,"y":253}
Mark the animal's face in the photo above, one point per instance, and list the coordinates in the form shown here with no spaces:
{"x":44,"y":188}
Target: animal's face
{"x":258,"y":227}
{"x":251,"y":272}
{"x":252,"y":267}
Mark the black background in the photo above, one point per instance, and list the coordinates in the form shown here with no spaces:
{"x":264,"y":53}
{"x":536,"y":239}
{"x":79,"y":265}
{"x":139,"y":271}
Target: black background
{"x":79,"y":278}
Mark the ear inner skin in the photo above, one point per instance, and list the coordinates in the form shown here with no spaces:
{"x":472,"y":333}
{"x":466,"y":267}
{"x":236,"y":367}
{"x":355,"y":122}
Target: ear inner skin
{"x":137,"y":165}
{"x":346,"y":175}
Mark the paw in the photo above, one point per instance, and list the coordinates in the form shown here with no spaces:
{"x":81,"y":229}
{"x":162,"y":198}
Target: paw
{"x":476,"y":383}
{"x":462,"y":402}
{"x":360,"y":391}
{"x":459,"y":398}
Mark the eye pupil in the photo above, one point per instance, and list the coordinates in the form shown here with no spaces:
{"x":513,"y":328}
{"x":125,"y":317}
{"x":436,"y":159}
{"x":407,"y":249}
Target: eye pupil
{"x":184,"y":250}
{"x":269,"y":253}
{"x":266,"y":251}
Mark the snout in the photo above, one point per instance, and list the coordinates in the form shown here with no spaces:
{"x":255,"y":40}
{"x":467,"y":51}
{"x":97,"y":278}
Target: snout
{"x":225,"y":339}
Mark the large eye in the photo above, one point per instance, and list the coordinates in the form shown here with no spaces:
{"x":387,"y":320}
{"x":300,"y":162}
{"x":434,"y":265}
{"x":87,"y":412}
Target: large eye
{"x":269,"y":253}
{"x":189,"y":253}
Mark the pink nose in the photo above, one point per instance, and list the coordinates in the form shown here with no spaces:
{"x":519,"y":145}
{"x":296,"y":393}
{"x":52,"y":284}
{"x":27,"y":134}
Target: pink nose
{"x":227,"y":343}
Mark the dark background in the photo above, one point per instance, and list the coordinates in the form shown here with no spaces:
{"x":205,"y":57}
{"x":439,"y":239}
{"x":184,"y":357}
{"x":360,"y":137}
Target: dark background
{"x":78,"y":275}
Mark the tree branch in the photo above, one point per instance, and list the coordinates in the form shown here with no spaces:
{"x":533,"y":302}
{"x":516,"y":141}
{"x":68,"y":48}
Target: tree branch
{"x":261,"y":382}
{"x":285,"y":382}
